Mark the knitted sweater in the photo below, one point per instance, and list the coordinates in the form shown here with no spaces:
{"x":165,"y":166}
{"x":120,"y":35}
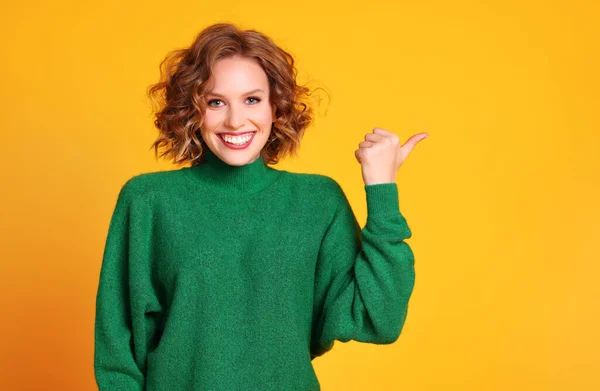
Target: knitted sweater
{"x":219,"y":277}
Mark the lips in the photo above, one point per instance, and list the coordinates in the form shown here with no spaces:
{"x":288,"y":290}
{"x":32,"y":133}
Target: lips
{"x":234,"y":146}
{"x":237,"y":133}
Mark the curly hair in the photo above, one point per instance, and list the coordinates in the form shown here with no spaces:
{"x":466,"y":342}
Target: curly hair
{"x":179,"y":101}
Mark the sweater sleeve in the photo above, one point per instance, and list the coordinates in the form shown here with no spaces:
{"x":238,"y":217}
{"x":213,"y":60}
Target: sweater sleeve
{"x":364,"y":278}
{"x":120,"y":335}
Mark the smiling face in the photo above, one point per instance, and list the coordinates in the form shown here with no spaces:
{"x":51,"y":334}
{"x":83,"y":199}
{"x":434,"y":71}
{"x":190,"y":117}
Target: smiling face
{"x":239,"y":115}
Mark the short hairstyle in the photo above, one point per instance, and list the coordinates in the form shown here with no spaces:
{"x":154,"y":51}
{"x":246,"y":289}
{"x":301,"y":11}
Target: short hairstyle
{"x":179,"y":99}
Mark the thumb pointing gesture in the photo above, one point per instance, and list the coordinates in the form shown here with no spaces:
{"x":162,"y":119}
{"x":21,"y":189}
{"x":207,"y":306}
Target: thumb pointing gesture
{"x":381,"y":155}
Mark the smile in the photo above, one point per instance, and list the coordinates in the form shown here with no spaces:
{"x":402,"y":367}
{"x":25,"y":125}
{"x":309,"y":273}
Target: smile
{"x":237,"y":142}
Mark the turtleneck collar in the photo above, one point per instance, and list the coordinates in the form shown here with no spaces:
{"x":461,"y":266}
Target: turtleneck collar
{"x":222,"y":177}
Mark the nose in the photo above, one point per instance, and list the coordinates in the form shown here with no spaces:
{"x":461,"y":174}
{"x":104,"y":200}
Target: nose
{"x":235,"y":117}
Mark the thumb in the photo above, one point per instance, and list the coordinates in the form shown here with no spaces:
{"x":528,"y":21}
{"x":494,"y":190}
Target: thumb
{"x":410,"y":144}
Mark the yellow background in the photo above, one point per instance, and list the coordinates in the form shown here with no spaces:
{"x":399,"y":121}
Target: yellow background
{"x":501,"y":198}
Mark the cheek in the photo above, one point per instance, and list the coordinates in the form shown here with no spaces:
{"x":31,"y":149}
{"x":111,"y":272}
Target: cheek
{"x":264,"y":118}
{"x":211,"y":119}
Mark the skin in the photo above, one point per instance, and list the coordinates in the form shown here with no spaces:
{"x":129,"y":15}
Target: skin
{"x":231,"y":109}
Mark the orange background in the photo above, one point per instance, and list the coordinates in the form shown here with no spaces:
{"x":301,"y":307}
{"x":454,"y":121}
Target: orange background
{"x":501,"y":198}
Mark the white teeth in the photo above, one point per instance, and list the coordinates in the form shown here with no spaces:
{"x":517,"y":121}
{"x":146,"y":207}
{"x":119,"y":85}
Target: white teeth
{"x":238,"y":140}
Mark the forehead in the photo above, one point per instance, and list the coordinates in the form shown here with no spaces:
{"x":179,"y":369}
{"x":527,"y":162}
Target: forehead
{"x":233,"y":76}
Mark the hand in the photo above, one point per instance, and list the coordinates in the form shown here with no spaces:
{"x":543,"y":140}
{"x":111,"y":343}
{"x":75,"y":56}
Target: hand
{"x":381,"y":155}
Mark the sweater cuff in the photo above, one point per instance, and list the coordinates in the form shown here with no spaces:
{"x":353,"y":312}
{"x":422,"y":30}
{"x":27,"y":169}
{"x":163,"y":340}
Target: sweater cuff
{"x":382,"y":199}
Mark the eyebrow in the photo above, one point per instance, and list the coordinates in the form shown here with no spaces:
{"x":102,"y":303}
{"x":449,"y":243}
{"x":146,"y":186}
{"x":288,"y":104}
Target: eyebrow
{"x":222,"y":96}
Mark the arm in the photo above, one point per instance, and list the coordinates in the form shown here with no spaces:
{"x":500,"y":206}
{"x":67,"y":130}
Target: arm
{"x":118,"y":354}
{"x":364,"y":279}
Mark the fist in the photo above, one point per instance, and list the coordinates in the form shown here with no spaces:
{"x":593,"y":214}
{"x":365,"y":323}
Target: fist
{"x":381,"y":155}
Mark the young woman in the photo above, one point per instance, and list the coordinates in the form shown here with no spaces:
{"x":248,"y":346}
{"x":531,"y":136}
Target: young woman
{"x":232,"y":275}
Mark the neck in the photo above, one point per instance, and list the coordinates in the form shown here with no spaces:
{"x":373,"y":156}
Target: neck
{"x":222,"y":177}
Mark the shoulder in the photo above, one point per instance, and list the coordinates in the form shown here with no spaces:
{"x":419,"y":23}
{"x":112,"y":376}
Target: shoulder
{"x":318,"y":182}
{"x":150,"y":183}
{"x":321,"y":188}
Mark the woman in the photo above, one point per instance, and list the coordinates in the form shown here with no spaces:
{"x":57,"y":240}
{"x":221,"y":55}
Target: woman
{"x":230,"y":274}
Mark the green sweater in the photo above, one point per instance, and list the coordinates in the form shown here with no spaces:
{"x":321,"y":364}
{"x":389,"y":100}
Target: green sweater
{"x":218,"y":277}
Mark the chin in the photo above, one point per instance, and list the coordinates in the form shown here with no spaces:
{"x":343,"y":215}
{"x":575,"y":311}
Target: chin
{"x":239,"y":158}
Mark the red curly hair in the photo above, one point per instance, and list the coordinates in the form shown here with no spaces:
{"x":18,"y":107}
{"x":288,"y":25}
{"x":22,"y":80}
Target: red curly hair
{"x":179,"y":98}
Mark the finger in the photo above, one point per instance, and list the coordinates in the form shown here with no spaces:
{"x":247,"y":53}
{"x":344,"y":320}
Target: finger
{"x":365,"y":144}
{"x":374,"y":137}
{"x":393,"y":137}
{"x":383,"y":132}
{"x":357,"y":155}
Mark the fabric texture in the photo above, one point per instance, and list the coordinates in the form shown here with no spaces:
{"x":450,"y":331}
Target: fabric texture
{"x":219,"y":277}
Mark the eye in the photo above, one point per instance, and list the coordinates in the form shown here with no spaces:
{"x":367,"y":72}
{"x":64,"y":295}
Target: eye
{"x":256,"y":99}
{"x":213,"y":100}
